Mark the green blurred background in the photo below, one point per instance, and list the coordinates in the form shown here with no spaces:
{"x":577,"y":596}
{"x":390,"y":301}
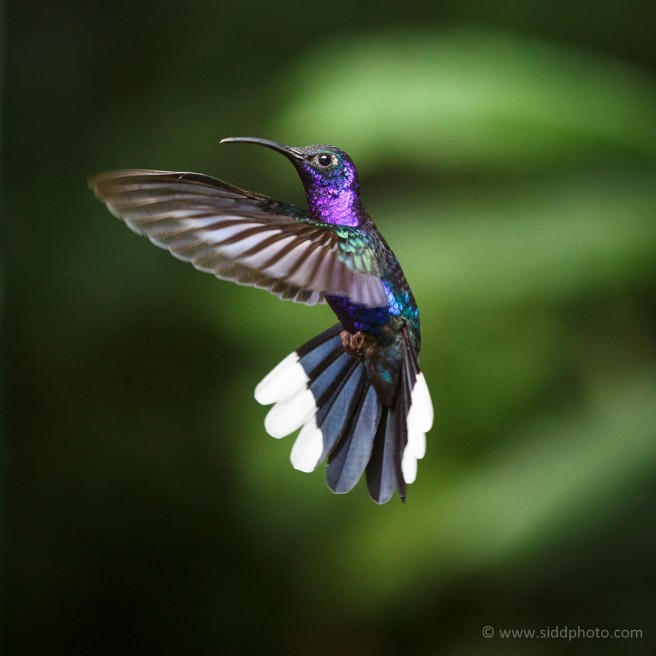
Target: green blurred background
{"x":508,"y":153}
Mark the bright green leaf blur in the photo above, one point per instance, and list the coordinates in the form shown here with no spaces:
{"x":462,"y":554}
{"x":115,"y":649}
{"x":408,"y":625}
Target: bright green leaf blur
{"x":472,"y":99}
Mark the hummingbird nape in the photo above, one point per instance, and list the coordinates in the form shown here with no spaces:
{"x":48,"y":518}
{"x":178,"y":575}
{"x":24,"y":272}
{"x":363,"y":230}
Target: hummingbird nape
{"x":355,"y":390}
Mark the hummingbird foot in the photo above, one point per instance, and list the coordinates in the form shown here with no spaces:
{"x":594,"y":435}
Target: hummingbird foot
{"x":354,"y":344}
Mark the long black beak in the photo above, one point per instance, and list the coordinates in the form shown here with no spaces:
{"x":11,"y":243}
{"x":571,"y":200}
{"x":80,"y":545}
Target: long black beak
{"x":287,"y":151}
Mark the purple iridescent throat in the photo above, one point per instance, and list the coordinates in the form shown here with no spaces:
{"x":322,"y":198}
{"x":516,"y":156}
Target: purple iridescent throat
{"x":335,"y":197}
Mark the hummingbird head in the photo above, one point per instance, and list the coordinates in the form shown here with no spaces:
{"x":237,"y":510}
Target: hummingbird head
{"x":324,"y":167}
{"x":329,"y":177}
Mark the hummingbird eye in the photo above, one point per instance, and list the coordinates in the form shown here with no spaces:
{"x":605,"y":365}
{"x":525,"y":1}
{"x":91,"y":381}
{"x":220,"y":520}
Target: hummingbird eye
{"x":324,"y":159}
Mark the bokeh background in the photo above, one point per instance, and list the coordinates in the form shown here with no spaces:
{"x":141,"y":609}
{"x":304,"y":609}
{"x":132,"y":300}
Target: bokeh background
{"x":508,"y":153}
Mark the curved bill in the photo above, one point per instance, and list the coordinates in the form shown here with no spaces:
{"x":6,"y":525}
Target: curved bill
{"x":288,"y":151}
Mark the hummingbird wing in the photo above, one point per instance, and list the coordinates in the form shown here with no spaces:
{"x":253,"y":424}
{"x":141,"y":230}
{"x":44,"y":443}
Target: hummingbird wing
{"x":242,"y":236}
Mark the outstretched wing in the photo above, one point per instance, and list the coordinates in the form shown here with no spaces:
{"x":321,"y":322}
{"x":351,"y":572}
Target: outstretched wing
{"x":241,"y":236}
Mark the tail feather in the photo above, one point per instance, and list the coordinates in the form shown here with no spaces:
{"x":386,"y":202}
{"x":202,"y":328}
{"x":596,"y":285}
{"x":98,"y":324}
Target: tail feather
{"x":335,"y":405}
{"x":327,"y":391}
{"x":348,"y":460}
{"x":381,"y":470}
{"x":324,"y":384}
{"x":384,"y":475}
{"x":418,"y":413}
{"x":326,"y":344}
{"x":336,"y":408}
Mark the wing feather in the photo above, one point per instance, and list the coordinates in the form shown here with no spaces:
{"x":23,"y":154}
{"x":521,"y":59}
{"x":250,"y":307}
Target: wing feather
{"x":241,"y":236}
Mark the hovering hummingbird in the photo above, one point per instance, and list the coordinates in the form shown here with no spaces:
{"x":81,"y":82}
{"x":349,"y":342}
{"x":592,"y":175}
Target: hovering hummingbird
{"x":355,"y":390}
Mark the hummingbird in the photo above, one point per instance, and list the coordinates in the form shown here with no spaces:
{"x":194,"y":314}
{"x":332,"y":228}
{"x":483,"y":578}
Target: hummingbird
{"x":355,"y":391}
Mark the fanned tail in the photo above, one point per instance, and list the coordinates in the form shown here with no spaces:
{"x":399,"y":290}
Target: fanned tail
{"x":324,"y":390}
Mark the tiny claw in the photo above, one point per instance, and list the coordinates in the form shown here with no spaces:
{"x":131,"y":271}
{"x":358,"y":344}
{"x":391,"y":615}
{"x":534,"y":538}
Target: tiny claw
{"x":346,"y":338}
{"x":353,"y":344}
